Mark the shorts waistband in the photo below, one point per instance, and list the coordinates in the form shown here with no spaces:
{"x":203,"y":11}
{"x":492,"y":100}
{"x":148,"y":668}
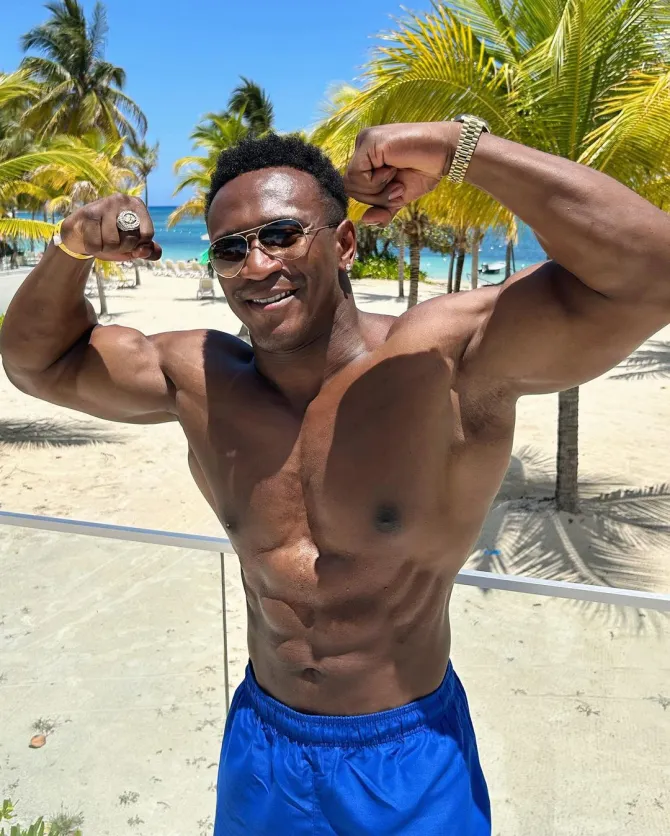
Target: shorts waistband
{"x":352,"y":730}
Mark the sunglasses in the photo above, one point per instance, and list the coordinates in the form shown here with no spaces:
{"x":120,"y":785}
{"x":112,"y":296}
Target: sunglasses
{"x":284,"y":239}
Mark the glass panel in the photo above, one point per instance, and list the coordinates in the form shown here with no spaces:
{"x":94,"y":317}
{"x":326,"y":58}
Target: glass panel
{"x":113,"y":650}
{"x":570,"y":703}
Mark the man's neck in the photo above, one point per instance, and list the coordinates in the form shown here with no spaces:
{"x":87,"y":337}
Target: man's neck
{"x":300,"y":373}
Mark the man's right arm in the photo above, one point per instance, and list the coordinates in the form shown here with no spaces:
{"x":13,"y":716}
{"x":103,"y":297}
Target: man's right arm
{"x":50,"y":342}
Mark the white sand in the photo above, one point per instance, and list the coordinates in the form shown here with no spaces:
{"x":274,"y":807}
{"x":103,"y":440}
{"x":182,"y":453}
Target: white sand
{"x":120,"y":644}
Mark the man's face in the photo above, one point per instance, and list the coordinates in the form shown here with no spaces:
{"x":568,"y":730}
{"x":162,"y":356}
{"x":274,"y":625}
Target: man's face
{"x":269,"y":194}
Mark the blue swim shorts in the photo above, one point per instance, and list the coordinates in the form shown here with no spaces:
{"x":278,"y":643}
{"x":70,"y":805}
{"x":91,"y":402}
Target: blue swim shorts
{"x":410,"y":770}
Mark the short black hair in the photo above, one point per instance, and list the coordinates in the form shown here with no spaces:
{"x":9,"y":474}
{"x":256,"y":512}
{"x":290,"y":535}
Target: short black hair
{"x":272,"y":151}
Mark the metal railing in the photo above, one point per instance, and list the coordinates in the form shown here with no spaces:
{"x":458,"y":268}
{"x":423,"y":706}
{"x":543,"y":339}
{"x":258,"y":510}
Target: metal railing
{"x":223,"y":546}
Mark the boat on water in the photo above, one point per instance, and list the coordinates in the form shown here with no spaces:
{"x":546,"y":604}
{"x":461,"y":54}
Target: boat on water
{"x":492,"y":267}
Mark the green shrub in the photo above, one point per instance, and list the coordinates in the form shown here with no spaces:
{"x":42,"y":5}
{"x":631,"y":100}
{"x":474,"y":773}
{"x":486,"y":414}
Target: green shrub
{"x":7,"y":814}
{"x":62,"y":825}
{"x":381,"y":267}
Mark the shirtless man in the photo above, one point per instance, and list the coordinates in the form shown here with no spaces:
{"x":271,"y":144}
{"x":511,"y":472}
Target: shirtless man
{"x":351,"y":719}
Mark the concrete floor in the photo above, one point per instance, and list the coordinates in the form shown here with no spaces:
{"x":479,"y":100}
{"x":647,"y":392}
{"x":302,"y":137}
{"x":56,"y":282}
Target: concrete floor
{"x":118,"y":646}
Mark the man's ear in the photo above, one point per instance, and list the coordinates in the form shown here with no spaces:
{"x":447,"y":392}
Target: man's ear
{"x":346,"y":244}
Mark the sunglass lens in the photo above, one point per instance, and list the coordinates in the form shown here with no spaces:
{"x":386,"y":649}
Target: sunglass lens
{"x":284,"y":237}
{"x":228,"y":254}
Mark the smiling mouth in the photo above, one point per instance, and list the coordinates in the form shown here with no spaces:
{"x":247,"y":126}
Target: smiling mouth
{"x":272,"y":301}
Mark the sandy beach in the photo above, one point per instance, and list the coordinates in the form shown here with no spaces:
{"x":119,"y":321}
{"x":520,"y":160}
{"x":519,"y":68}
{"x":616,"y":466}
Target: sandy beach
{"x":118,"y":645}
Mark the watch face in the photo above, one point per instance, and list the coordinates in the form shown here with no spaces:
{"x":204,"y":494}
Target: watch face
{"x":464,"y":116}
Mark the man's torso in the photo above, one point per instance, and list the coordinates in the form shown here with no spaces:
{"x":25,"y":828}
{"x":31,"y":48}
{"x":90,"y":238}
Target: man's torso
{"x":351,"y":518}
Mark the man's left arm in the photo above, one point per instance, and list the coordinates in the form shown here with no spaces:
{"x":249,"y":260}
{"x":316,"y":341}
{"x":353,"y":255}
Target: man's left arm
{"x":606,"y":288}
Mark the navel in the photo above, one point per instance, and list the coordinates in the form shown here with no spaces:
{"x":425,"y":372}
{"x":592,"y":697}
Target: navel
{"x":387,"y":518}
{"x":312,"y":675}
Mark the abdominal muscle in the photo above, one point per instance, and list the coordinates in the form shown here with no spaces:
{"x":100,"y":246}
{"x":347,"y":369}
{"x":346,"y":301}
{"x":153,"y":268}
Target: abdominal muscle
{"x":349,"y":639}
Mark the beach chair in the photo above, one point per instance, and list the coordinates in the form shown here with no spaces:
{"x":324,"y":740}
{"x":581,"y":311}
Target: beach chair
{"x":205,"y":288}
{"x":126,"y":279}
{"x":170,"y":268}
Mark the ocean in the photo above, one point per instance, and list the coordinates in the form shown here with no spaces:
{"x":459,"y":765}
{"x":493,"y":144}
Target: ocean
{"x":184,"y":242}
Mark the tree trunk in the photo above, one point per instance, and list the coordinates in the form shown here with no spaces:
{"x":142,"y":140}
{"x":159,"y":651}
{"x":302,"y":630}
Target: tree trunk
{"x":46,"y":220}
{"x":474,"y":271}
{"x":450,"y":283}
{"x":460,"y":261}
{"x":567,"y":460}
{"x":401,"y":265}
{"x":137,"y":274}
{"x":414,"y":267}
{"x":146,"y":193}
{"x":101,"y":293}
{"x":509,"y":255}
{"x":32,"y":240}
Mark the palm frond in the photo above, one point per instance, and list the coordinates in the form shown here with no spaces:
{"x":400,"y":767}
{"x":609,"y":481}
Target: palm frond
{"x":15,"y":86}
{"x":595,"y":45}
{"x":192,"y":208}
{"x":635,"y":127}
{"x":125,"y":106}
{"x":14,"y":168}
{"x":61,"y":205}
{"x":432,"y":68}
{"x":10,"y":191}
{"x":20,"y":228}
{"x":98,"y":29}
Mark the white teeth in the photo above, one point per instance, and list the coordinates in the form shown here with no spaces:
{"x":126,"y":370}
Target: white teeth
{"x":273,"y":298}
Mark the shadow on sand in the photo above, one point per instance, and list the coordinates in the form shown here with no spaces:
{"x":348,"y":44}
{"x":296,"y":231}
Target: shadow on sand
{"x":652,"y":361}
{"x":48,"y":433}
{"x":618,"y":540}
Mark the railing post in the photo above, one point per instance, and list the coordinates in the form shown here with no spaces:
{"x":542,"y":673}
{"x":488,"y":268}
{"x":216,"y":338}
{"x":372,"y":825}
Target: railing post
{"x":226,"y":680}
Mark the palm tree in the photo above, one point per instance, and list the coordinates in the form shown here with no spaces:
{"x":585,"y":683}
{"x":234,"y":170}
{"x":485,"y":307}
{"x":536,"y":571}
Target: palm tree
{"x":79,"y":89}
{"x":58,"y":161}
{"x":585,"y":79}
{"x":401,"y":264}
{"x":110,"y":177}
{"x":252,"y":103}
{"x":415,"y":225}
{"x":214,"y":134}
{"x":143,"y":160}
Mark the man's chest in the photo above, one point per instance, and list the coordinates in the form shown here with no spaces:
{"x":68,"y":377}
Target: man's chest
{"x":376,"y":457}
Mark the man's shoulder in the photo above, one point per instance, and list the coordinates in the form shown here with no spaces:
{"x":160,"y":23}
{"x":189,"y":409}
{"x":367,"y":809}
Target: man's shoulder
{"x":187,"y":352}
{"x":447,"y":322}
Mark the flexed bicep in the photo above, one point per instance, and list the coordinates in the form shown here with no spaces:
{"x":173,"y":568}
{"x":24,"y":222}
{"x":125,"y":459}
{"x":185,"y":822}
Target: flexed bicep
{"x":546,"y":331}
{"x":112,"y":372}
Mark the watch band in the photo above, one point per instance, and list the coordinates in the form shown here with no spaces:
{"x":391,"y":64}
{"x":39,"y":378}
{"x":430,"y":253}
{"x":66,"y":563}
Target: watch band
{"x":58,"y":241}
{"x":472,"y":129}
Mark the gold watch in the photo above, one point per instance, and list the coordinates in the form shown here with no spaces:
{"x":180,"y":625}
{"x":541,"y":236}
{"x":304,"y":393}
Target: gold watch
{"x":473,"y":128}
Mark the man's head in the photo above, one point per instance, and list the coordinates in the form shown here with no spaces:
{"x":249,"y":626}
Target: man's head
{"x":270,"y":179}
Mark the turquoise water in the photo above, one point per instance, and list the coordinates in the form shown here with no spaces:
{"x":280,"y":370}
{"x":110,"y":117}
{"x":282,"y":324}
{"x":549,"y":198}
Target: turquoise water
{"x":183,"y":242}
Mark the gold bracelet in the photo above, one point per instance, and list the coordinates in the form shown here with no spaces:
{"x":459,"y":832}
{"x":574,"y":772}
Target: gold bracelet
{"x":58,"y":241}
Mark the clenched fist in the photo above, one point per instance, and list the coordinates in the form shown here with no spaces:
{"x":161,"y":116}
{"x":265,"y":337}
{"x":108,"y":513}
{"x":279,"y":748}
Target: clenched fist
{"x":396,"y":164}
{"x":92,"y":230}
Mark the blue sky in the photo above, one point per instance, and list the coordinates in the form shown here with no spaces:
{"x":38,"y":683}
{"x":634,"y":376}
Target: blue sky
{"x":184,"y":57}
